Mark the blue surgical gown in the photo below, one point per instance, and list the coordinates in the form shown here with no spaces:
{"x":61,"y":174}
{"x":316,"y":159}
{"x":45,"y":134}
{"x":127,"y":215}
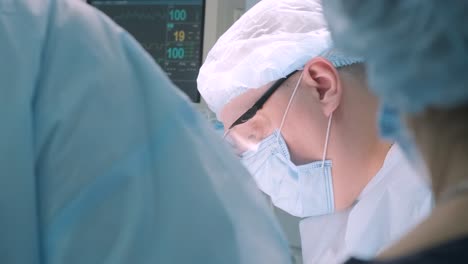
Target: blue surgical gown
{"x":102,"y":160}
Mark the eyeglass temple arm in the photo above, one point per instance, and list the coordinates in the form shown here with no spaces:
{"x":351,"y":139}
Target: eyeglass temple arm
{"x":260,"y":102}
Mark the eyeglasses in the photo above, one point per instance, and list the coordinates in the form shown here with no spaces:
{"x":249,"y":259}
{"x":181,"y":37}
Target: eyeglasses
{"x":252,"y":111}
{"x":239,"y":140}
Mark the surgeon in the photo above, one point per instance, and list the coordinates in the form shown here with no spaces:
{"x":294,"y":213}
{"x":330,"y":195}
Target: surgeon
{"x":416,"y":53}
{"x":102,"y":160}
{"x":298,"y":114}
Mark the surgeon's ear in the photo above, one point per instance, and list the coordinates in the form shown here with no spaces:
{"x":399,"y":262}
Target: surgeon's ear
{"x":320,"y":75}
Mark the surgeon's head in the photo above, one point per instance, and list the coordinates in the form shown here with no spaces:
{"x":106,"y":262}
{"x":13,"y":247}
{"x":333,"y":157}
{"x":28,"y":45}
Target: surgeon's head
{"x":416,"y":54}
{"x":294,"y":107}
{"x":300,"y":105}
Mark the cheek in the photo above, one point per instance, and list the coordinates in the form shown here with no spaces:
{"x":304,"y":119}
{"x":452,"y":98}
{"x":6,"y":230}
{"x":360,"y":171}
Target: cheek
{"x":305,"y":139}
{"x":250,"y":133}
{"x":262,"y":125}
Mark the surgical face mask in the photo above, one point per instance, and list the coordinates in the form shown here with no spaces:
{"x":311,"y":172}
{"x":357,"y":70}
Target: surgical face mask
{"x":303,"y":191}
{"x":391,"y":127}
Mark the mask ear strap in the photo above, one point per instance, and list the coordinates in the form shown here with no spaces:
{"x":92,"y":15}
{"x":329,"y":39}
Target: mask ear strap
{"x":290,"y":102}
{"x":327,"y":137}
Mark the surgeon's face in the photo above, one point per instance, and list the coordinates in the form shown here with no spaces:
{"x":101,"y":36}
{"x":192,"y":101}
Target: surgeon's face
{"x":303,"y":129}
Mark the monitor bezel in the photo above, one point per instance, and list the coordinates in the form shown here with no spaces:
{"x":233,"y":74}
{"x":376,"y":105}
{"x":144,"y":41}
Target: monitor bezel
{"x":197,"y":98}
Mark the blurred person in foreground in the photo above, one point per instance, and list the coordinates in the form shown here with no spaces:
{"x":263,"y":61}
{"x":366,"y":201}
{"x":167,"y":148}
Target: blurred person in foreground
{"x":102,"y":160}
{"x":416,"y":54}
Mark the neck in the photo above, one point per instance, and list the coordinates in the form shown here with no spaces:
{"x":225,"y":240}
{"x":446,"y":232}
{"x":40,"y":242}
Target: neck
{"x":354,"y":167}
{"x":448,"y":172}
{"x":357,"y":153}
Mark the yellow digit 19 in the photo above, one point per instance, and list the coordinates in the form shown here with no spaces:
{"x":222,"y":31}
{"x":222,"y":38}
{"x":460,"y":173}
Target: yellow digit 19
{"x":179,"y":35}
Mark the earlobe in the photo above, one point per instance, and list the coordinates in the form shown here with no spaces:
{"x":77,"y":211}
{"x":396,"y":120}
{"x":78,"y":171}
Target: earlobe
{"x":321,"y":75}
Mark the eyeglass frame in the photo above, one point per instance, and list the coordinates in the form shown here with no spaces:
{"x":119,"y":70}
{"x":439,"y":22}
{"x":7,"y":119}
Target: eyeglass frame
{"x":252,"y":111}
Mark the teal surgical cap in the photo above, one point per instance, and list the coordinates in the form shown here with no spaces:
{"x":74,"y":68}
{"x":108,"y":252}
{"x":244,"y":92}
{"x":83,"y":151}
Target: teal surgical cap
{"x":340,"y":59}
{"x":416,"y":51}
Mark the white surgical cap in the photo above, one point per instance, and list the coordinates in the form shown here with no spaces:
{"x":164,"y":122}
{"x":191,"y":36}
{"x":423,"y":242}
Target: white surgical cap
{"x":416,"y":51}
{"x":271,"y":40}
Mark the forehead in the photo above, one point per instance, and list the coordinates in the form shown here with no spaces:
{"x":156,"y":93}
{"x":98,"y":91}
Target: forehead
{"x":239,"y":105}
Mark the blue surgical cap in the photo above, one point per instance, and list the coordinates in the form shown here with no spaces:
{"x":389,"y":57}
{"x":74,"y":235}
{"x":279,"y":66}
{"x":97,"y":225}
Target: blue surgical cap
{"x":416,"y":51}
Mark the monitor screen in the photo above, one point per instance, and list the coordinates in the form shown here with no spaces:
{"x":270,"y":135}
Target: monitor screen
{"x":171,"y":31}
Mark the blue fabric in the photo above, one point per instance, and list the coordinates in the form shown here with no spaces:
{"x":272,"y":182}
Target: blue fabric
{"x":102,"y":160}
{"x":392,"y":127}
